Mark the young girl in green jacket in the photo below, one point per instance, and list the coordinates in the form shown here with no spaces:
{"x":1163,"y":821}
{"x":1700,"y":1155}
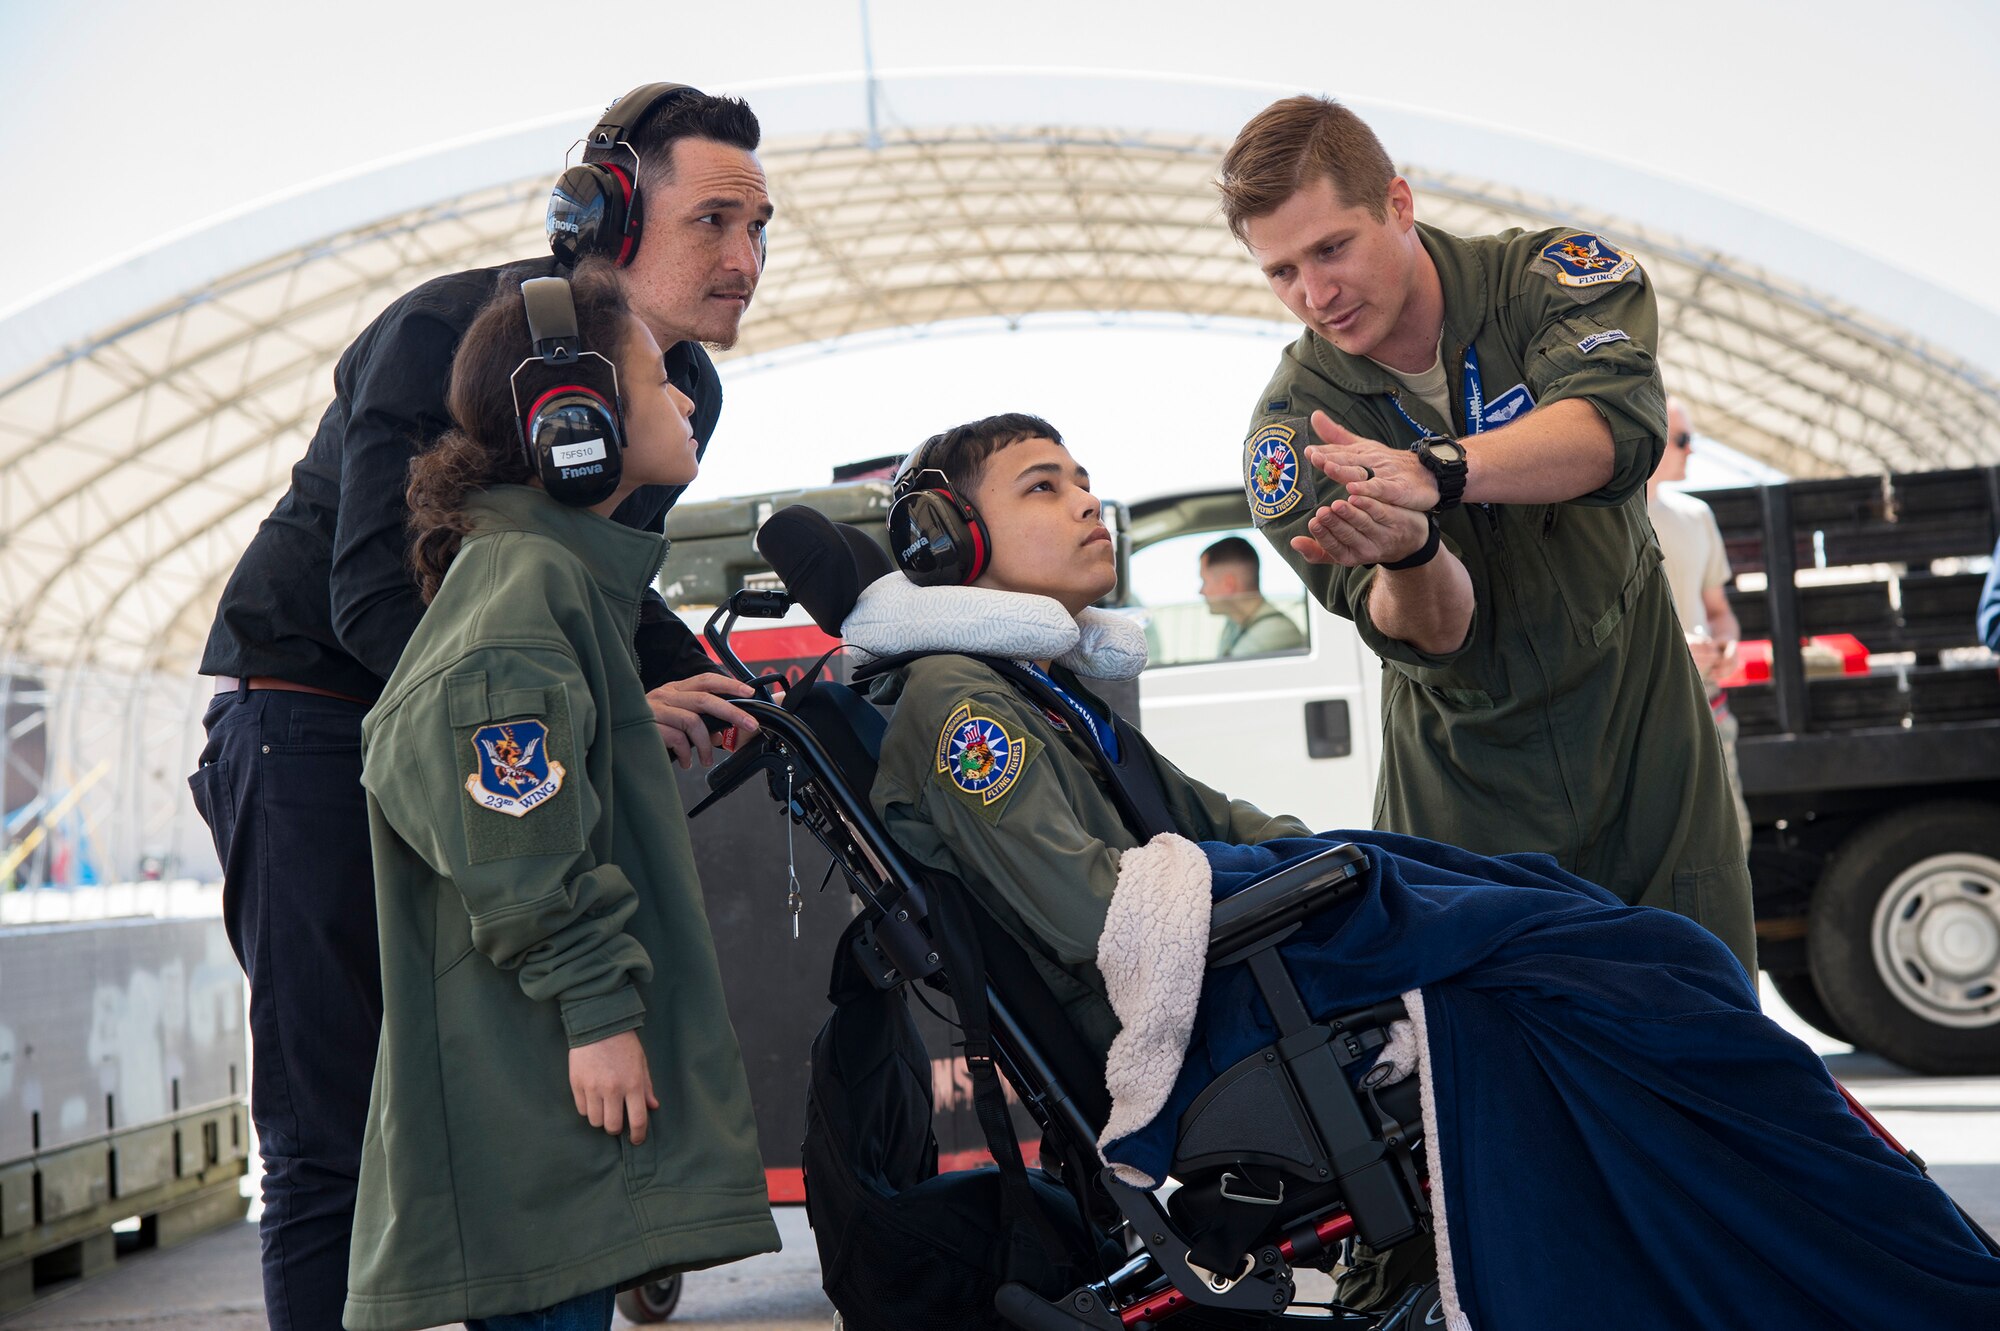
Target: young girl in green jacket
{"x":559,"y":1106}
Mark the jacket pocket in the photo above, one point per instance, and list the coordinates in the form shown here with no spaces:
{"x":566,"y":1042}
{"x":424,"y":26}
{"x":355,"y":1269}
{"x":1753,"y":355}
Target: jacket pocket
{"x":522,"y":769}
{"x":1700,"y":894}
{"x":642,"y":1163}
{"x":1594,"y":571}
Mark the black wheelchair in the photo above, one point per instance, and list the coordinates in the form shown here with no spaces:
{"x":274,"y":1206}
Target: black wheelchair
{"x":1280,"y":1161}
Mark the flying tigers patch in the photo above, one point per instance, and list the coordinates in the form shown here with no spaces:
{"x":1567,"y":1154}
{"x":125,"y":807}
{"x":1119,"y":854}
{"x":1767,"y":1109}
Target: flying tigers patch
{"x":515,"y":773}
{"x":979,"y":757}
{"x":1581,"y":259}
{"x":1272,"y":477}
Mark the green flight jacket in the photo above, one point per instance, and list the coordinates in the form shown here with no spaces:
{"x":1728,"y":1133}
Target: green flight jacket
{"x":536,"y":892}
{"x":1571,"y":720}
{"x":1040,"y":846}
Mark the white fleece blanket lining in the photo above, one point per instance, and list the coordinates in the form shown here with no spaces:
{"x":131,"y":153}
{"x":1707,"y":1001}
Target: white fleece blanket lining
{"x":894,"y":615}
{"x":1153,"y":953}
{"x":1454,"y":1315}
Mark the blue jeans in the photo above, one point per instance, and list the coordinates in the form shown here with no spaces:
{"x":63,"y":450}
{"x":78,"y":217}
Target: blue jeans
{"x":585,"y":1312}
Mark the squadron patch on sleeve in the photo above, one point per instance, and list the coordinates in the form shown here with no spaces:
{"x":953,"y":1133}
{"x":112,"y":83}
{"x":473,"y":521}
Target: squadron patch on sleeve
{"x":515,"y":774}
{"x":979,"y":756}
{"x":1581,"y":259}
{"x":1596,"y":340}
{"x":1272,"y":479}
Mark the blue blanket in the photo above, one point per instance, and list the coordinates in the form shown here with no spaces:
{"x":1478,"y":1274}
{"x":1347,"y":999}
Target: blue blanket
{"x":1623,"y":1139}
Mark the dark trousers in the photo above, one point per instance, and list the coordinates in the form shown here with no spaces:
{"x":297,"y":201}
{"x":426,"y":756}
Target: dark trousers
{"x":280,"y":788}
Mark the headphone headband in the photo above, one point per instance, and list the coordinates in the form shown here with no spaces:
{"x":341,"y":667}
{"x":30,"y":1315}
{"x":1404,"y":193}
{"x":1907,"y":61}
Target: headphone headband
{"x":552,"y":320}
{"x":624,"y":115}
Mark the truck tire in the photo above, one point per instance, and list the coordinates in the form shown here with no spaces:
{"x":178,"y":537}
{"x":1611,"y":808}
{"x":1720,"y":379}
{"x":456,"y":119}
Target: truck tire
{"x":1903,"y":937}
{"x":1801,"y":995}
{"x":651,"y":1302}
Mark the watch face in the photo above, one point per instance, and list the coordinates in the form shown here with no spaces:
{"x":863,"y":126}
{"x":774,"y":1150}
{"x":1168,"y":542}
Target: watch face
{"x":1447,"y":452}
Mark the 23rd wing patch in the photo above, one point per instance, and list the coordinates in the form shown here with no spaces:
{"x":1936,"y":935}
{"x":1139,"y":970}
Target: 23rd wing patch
{"x":1581,"y":259}
{"x":979,"y":757}
{"x":515,"y":773}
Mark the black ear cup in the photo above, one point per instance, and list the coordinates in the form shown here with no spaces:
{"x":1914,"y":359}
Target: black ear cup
{"x":594,"y":209}
{"x":938,"y":539}
{"x":597,"y":208}
{"x":567,"y":406}
{"x":573,"y":440}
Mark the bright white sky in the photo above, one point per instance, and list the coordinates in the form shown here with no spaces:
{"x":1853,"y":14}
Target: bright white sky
{"x":121,"y":121}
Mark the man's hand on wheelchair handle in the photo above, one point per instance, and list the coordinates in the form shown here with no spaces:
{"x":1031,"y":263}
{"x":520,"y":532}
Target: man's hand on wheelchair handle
{"x":682,"y":707}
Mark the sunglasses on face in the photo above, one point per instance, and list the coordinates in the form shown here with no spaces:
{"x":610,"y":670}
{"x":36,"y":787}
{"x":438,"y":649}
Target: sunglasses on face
{"x":1680,"y":440}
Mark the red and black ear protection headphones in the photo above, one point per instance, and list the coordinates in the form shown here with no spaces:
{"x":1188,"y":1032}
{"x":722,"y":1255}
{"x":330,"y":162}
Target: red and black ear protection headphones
{"x":573,"y":429}
{"x":936,"y":536}
{"x":596,"y":208}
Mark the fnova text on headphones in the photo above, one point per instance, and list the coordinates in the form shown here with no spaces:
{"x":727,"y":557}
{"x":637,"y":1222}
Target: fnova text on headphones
{"x":937,"y":537}
{"x":572,"y":428}
{"x":597,"y":207}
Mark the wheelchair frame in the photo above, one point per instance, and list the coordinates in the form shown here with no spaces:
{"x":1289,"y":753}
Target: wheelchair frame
{"x":1305,"y":1117}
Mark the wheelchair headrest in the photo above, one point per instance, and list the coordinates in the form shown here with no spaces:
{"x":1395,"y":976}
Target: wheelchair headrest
{"x":824,"y":564}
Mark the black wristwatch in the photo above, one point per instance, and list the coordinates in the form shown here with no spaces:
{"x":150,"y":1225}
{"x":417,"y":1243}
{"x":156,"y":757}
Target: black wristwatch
{"x":1445,"y":460}
{"x":1423,"y":556}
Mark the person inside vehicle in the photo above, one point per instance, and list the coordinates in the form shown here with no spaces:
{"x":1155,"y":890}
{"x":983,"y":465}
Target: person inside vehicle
{"x":560,"y":1107}
{"x":1252,"y":626}
{"x":1613,"y":1127}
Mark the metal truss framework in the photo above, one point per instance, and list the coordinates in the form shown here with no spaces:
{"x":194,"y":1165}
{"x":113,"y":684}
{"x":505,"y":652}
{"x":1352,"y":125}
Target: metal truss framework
{"x":135,"y":466}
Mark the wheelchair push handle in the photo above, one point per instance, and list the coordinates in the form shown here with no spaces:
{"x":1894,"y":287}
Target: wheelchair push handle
{"x":745,"y":603}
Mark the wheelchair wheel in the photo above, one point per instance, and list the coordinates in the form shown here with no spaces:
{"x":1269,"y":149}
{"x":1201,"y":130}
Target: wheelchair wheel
{"x":651,"y":1302}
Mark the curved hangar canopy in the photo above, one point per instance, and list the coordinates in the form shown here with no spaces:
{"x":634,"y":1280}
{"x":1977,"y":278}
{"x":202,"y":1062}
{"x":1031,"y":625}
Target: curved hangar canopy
{"x":136,"y":463}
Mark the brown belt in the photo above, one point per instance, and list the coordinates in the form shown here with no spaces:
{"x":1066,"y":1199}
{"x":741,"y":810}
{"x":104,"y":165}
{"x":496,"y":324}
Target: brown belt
{"x":229,"y":684}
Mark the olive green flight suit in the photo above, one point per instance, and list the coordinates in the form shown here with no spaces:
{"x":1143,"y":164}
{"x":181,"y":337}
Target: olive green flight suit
{"x":1038,"y":836}
{"x":1571,"y":720}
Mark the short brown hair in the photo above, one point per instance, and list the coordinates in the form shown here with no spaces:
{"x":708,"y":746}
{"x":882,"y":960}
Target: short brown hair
{"x":1296,"y":141}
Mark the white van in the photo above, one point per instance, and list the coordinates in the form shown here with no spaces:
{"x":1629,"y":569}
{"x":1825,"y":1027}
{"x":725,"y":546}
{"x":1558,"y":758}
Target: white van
{"x":1294,"y":732}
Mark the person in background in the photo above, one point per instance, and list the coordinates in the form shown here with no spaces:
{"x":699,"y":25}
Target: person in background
{"x":1697,"y":565}
{"x":1252,"y":625}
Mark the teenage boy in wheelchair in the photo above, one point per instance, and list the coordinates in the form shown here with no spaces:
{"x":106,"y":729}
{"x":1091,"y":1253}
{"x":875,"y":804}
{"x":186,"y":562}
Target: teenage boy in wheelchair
{"x":1609,"y":1128}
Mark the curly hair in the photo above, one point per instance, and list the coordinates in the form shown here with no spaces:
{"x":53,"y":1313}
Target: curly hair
{"x":485,"y":447}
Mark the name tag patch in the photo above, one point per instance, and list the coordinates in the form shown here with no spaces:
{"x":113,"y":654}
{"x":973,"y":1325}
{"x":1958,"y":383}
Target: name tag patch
{"x":515,"y":773}
{"x":1596,"y":340}
{"x":1271,"y":478}
{"x":1508,"y":405}
{"x":1581,"y":259}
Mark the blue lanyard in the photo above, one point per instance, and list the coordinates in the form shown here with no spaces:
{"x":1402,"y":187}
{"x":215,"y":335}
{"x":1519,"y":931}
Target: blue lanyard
{"x":1101,"y":733}
{"x":1475,"y":399}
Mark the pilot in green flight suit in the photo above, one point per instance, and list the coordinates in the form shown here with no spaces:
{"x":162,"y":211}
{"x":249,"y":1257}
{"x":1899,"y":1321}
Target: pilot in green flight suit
{"x":1537,"y":690}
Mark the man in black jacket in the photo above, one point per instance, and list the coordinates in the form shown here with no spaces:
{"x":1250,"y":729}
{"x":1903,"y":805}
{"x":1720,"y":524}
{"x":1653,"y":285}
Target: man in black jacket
{"x":321,"y":606}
